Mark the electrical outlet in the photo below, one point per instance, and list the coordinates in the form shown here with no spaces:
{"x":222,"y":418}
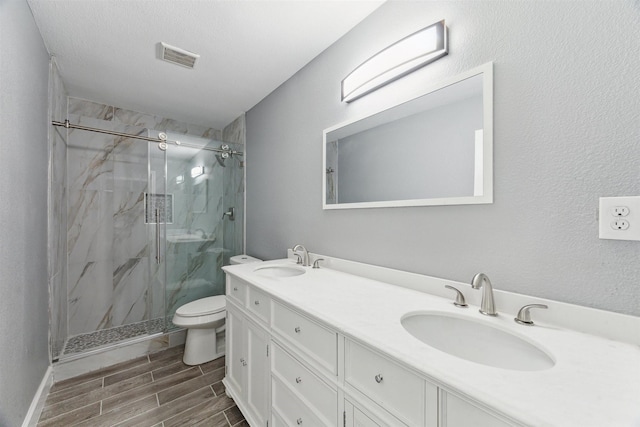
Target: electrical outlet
{"x":620,"y":211}
{"x":620,"y":224}
{"x":619,"y":218}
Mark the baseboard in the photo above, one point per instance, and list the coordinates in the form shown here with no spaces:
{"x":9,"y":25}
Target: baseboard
{"x":33,"y":414}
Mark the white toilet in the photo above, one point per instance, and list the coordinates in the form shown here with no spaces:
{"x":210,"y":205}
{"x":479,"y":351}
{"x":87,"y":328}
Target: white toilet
{"x":203,"y":319}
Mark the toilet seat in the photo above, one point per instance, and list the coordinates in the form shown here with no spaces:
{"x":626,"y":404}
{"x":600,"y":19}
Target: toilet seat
{"x":203,"y":307}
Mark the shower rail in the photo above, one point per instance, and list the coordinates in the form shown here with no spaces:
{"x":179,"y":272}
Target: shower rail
{"x":66,"y":124}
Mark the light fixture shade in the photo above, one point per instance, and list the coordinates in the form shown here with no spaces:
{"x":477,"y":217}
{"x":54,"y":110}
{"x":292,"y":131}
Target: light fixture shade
{"x":401,"y":58}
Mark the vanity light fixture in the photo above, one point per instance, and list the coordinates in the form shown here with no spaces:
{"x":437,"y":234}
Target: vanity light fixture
{"x":401,"y":58}
{"x":197,"y":171}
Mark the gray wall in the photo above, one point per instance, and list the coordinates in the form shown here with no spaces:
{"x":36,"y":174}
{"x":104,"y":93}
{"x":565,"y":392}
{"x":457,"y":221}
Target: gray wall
{"x":566,"y":132}
{"x":24,"y":71}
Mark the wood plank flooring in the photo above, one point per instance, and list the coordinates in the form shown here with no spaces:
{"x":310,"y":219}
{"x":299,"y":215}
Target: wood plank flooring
{"x":157,"y":390}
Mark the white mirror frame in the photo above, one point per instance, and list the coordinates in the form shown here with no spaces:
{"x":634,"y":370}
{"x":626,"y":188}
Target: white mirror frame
{"x":486,"y":71}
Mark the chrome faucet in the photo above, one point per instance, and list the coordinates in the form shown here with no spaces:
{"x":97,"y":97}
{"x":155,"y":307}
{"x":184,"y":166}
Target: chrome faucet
{"x":487,"y":306}
{"x":305,"y":255}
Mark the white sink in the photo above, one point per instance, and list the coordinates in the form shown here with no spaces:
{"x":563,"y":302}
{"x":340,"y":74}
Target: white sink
{"x":279,"y":271}
{"x":476,"y":341}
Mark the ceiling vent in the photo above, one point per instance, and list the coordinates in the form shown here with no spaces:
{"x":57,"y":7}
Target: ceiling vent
{"x":178,"y":56}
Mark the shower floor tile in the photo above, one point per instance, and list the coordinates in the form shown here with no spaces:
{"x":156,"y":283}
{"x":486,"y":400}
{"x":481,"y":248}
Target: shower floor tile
{"x":104,"y":337}
{"x":157,"y":389}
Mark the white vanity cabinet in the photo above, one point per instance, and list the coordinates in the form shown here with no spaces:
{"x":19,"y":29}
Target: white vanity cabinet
{"x":247,"y":359}
{"x":286,"y":368}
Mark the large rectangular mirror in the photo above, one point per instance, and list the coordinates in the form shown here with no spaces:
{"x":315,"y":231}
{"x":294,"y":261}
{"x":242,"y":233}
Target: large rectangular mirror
{"x":434,"y":149}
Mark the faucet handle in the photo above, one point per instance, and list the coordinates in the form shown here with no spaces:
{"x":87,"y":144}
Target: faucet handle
{"x":524,"y":317}
{"x":460,"y":301}
{"x":315,"y":263}
{"x":299,"y":258}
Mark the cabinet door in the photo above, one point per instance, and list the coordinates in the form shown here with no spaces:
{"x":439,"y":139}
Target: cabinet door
{"x":358,"y":416}
{"x":456,"y":412}
{"x":236,"y":358}
{"x":257,"y":387}
{"x":353,"y":417}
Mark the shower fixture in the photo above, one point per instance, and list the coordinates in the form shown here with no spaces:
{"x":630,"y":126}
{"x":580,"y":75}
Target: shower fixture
{"x":225,"y":153}
{"x":231,"y":213}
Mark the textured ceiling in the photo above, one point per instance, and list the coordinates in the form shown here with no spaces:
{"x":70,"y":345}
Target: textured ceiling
{"x":107,"y":50}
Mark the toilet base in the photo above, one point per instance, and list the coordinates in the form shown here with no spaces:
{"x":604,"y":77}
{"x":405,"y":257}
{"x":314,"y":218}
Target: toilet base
{"x":201,"y":346}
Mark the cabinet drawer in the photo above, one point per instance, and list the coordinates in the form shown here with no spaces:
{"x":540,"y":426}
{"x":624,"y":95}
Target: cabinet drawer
{"x":393,"y":387}
{"x":291,"y":409}
{"x":319,"y":342}
{"x":237,"y":290}
{"x":259,"y":304}
{"x":305,"y":384}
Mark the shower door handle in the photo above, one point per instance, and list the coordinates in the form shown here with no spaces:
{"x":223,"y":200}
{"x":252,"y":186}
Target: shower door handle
{"x":157,"y":236}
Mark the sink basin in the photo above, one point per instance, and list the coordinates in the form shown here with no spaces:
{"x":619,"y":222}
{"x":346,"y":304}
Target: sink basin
{"x":279,"y":271}
{"x":476,"y":341}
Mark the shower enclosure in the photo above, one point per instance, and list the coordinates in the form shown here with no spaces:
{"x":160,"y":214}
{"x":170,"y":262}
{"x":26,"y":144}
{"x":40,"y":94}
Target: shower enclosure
{"x":149,"y":227}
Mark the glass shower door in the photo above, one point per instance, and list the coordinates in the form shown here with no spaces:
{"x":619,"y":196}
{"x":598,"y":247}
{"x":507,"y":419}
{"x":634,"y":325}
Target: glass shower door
{"x":200,"y":237}
{"x":158,"y":215}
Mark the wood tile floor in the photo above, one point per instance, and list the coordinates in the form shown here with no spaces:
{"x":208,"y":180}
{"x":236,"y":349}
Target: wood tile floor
{"x":157,"y":390}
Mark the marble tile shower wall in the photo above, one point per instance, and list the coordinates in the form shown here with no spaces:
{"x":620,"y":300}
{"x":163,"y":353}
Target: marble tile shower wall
{"x":108,"y":249}
{"x":57,"y":227}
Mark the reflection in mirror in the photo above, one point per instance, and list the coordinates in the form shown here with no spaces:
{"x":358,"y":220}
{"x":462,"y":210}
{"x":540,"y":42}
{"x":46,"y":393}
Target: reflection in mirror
{"x":435,"y":149}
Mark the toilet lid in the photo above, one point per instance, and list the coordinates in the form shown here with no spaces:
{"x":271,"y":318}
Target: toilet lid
{"x":203,"y":306}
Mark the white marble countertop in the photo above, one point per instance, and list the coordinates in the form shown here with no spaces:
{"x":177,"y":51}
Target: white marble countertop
{"x":595,"y":381}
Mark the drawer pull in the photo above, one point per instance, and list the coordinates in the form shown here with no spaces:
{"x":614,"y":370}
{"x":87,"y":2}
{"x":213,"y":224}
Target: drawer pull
{"x":257,"y":302}
{"x":299,"y":421}
{"x":298,"y":380}
{"x":379,"y":378}
{"x":235,"y":288}
{"x":297,"y":329}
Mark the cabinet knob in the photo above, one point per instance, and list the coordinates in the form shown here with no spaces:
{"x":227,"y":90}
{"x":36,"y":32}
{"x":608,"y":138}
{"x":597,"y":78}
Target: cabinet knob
{"x":235,"y":288}
{"x":257,"y":302}
{"x":299,"y":421}
{"x":297,"y":329}
{"x":298,"y":380}
{"x":244,"y":363}
{"x":379,"y":378}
